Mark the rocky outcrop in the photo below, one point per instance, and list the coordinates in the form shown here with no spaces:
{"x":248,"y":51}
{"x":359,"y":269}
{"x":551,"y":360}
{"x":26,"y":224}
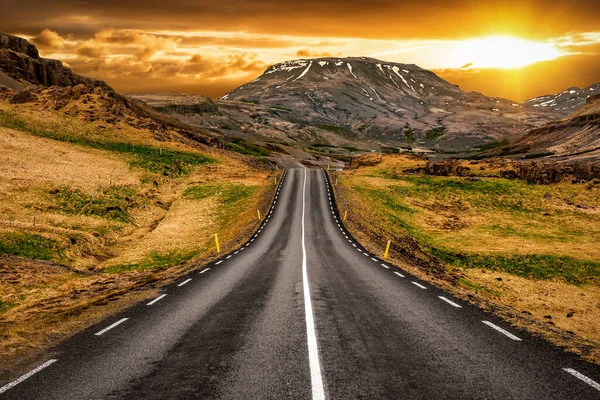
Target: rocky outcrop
{"x":20,"y":61}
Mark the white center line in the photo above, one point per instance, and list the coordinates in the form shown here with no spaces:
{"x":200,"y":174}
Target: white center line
{"x":184,"y":282}
{"x":399,"y":274}
{"x":453,"y":304}
{"x":318,"y":392}
{"x":27,"y":375}
{"x":418,"y":285}
{"x":571,"y":371}
{"x":204,"y":270}
{"x":502,"y":331}
{"x":157,"y":299}
{"x":108,"y":328}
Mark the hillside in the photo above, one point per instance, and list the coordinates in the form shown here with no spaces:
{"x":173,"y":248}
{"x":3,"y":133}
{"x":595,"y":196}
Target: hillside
{"x":367,"y":100}
{"x":574,"y":137}
{"x":566,"y":102}
{"x":103,"y":201}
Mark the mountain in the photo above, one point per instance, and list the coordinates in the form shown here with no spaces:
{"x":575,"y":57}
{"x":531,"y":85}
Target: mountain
{"x":565,"y":102}
{"x":21,"y":66}
{"x":574,"y":137}
{"x":369,"y":100}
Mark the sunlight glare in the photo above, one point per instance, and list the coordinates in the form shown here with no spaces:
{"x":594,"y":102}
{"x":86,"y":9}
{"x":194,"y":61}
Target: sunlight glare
{"x":504,"y":52}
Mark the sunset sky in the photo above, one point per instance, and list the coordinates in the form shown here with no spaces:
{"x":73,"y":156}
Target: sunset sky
{"x":513,"y":49}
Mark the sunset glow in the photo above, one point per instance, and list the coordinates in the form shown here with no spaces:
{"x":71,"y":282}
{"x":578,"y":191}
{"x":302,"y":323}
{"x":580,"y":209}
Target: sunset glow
{"x":211,"y":47}
{"x":503,"y":52}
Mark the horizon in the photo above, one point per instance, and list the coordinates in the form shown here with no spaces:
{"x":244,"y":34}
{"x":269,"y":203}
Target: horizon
{"x":515,"y":51}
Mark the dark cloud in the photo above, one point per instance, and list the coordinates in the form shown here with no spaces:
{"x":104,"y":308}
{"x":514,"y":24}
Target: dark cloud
{"x":358,"y":18}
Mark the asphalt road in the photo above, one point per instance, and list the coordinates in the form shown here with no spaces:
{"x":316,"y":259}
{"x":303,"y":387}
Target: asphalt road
{"x":303,"y":312}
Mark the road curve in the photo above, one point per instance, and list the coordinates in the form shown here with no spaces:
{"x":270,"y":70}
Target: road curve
{"x":303,"y":312}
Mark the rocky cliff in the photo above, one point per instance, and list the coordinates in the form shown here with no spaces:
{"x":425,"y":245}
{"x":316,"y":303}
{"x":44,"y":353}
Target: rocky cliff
{"x":21,"y":62}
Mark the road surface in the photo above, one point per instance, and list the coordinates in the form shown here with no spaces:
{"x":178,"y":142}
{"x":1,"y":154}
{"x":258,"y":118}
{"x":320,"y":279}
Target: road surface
{"x":303,"y":312}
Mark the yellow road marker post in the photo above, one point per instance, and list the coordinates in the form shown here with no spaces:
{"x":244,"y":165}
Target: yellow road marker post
{"x":345,"y":215}
{"x":258,"y":212}
{"x":217,"y":243}
{"x":335,"y":181}
{"x":387,"y":249}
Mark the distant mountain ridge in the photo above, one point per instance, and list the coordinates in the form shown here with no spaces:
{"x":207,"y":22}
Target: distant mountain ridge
{"x":567,"y":101}
{"x":402,"y":104}
{"x":574,"y":137}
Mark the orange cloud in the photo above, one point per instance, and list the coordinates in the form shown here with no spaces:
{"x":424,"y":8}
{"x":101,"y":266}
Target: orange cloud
{"x":49,"y":39}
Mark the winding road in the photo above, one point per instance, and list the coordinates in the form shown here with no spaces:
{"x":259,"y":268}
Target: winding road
{"x":302,"y":311}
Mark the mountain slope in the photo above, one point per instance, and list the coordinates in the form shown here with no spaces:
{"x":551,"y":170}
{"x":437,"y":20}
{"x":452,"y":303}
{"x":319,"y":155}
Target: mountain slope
{"x":576,"y":136}
{"x":368,"y":99}
{"x":565,"y":102}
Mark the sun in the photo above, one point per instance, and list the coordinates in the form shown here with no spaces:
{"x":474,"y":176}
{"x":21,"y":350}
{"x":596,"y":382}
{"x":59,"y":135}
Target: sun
{"x":503,"y":52}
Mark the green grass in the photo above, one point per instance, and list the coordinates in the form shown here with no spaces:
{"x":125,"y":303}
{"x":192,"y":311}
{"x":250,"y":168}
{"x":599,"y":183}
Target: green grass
{"x":250,"y":101}
{"x":278,"y":108}
{"x":115,"y":202}
{"x":156,"y":261}
{"x":436,"y":133}
{"x":493,"y":145}
{"x":513,"y":211}
{"x":29,"y":245}
{"x":163,"y":162}
{"x":247,"y":148}
{"x":228,"y":193}
{"x":362,"y":128}
{"x":332,"y":128}
{"x":486,"y":194}
{"x":534,"y":266}
{"x":409,"y":134}
{"x":5,"y":306}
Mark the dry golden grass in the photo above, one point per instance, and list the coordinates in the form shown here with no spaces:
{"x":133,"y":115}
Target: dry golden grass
{"x":97,"y":264}
{"x":497,"y":218}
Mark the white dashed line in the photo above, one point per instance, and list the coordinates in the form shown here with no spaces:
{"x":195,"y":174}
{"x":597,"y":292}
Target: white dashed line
{"x":184,"y":282}
{"x":318,"y":392}
{"x":453,"y":304}
{"x":204,"y":270}
{"x":374,"y":259}
{"x":27,"y":375}
{"x":229,"y":256}
{"x":399,"y":274}
{"x":162,"y":296}
{"x":353,"y":244}
{"x":571,"y":371}
{"x":418,"y":285}
{"x":383,"y":265}
{"x":219,"y":262}
{"x":108,"y":328}
{"x":236,"y":252}
{"x":502,"y":331}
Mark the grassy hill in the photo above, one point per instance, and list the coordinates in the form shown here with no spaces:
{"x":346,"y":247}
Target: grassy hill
{"x":527,"y":251}
{"x":101,"y":204}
